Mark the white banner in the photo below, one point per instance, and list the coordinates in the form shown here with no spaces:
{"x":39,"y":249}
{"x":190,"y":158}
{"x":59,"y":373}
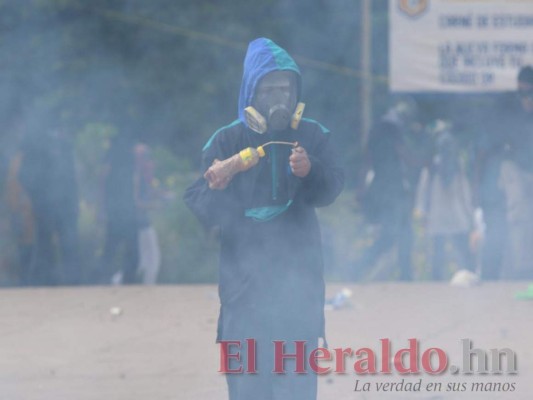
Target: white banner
{"x":458,"y":45}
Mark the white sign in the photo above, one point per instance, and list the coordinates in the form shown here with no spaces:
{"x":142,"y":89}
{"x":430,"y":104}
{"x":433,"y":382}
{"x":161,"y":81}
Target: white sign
{"x":458,"y":45}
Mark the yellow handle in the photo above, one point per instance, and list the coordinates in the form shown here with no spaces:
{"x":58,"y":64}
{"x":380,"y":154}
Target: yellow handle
{"x":246,"y":155}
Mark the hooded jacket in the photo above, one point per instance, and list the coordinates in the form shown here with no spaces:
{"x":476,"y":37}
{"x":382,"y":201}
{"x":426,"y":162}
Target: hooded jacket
{"x":271,"y":259}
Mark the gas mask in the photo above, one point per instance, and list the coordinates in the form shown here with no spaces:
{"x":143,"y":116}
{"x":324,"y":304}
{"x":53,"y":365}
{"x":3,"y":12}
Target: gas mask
{"x":274,"y":105}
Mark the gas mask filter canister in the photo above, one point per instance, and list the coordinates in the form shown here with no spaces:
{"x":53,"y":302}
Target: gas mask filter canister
{"x":274,"y":104}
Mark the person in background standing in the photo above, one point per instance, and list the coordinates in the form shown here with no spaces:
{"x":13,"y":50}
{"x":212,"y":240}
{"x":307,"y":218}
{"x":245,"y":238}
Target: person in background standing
{"x":516,"y":178}
{"x":48,"y":175}
{"x":120,"y":256}
{"x":445,"y":202}
{"x":503,"y":169}
{"x":21,"y":221}
{"x":397,"y":152}
{"x":146,"y":198}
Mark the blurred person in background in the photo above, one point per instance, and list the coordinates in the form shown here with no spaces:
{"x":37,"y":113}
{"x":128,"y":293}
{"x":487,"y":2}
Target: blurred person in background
{"x":516,"y":178}
{"x":120,"y":256}
{"x":271,"y":269}
{"x":131,"y":249}
{"x":47,"y":173}
{"x":147,"y":196}
{"x":397,"y":151}
{"x":488,"y":193}
{"x":19,"y":206}
{"x":445,"y":203}
{"x":20,"y":218}
{"x":503,"y":168}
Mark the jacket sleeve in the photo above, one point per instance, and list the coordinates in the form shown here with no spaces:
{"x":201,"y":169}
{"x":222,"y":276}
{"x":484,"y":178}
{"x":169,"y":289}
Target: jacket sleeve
{"x":325,"y":180}
{"x":212,"y":207}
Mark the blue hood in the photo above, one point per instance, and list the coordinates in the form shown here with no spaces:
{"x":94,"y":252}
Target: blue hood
{"x":263,"y":56}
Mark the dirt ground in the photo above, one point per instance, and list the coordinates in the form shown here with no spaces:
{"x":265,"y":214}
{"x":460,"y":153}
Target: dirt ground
{"x":157,"y":342}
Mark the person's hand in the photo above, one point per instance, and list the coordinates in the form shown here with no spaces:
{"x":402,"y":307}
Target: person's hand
{"x":215,"y":180}
{"x":299,"y":162}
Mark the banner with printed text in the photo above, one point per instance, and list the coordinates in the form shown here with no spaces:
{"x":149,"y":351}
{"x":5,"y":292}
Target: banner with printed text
{"x":458,"y":45}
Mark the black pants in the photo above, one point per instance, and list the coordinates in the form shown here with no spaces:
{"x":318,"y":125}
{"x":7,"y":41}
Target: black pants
{"x":265,"y":384}
{"x":395,"y":229}
{"x":121,"y":241}
{"x":49,"y":228}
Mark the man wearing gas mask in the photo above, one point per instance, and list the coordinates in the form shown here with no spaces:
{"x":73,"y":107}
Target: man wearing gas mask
{"x":271,"y":282}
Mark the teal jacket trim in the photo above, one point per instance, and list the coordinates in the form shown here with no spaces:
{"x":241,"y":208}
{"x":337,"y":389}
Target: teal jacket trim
{"x":322,"y":127}
{"x":263,"y":214}
{"x":210,"y":141}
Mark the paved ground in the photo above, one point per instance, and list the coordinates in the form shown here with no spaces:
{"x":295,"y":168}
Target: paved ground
{"x":156,"y":343}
